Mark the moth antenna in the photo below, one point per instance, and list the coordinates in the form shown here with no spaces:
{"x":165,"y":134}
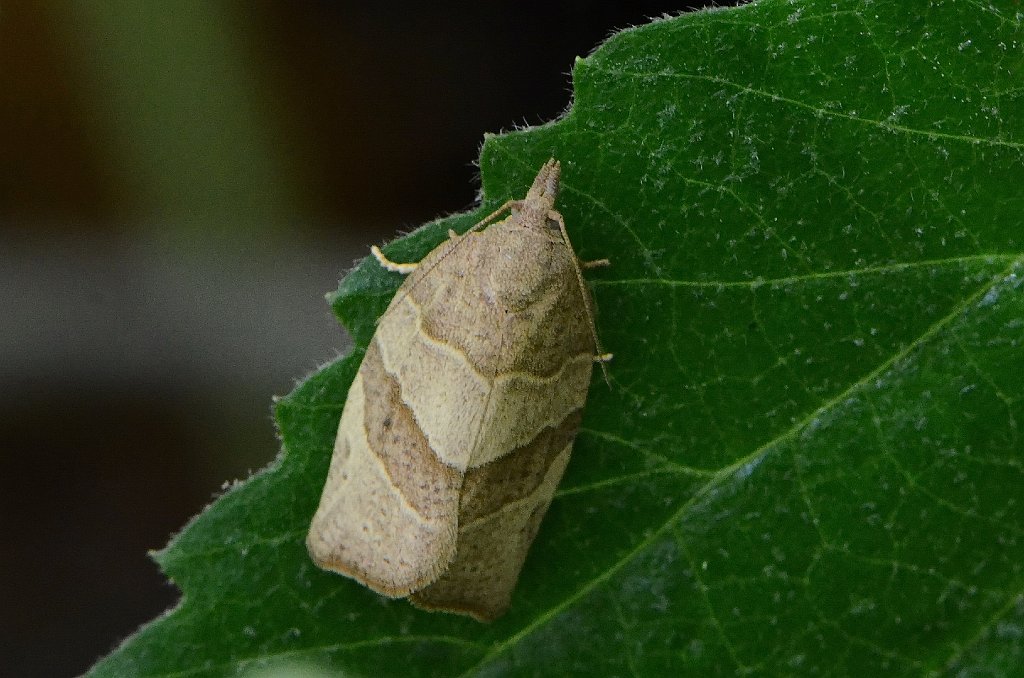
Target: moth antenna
{"x":600,"y":356}
{"x":475,"y":227}
{"x":393,"y":266}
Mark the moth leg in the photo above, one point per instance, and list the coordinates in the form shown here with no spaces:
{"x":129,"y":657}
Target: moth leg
{"x":596,"y":263}
{"x":404,"y":269}
{"x":556,"y":216}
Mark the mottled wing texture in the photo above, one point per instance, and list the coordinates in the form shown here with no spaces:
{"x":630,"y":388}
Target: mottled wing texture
{"x":460,"y":422}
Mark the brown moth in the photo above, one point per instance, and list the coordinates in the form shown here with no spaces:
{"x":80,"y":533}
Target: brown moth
{"x":460,"y":421}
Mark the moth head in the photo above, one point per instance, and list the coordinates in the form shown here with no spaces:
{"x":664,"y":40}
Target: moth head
{"x":540,"y":199}
{"x":545,"y":185}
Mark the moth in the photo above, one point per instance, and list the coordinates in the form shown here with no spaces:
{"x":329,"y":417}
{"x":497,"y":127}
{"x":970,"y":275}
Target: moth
{"x":461,"y":418}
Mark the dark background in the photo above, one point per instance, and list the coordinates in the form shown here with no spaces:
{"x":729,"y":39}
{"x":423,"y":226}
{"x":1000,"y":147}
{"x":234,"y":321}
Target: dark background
{"x":180,"y":183}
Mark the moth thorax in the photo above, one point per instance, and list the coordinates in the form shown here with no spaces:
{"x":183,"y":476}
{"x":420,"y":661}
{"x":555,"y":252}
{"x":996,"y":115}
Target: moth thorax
{"x":518,"y":279}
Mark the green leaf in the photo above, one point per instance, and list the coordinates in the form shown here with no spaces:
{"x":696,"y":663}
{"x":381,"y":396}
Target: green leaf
{"x":810,"y":458}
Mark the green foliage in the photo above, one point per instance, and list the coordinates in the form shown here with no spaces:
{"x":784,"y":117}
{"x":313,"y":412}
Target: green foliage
{"x":810,"y":456}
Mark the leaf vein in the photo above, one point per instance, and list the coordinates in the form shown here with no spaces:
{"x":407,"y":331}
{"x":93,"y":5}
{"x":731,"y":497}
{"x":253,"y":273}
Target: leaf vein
{"x":741,"y":467}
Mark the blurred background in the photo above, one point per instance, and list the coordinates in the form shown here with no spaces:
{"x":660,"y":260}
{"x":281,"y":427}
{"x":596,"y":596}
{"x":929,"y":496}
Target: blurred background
{"x":180,"y":184}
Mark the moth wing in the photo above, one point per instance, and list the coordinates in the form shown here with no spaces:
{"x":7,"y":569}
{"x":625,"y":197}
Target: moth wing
{"x":387,"y":517}
{"x":458,"y":427}
{"x":493,"y":541}
{"x":534,"y":411}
